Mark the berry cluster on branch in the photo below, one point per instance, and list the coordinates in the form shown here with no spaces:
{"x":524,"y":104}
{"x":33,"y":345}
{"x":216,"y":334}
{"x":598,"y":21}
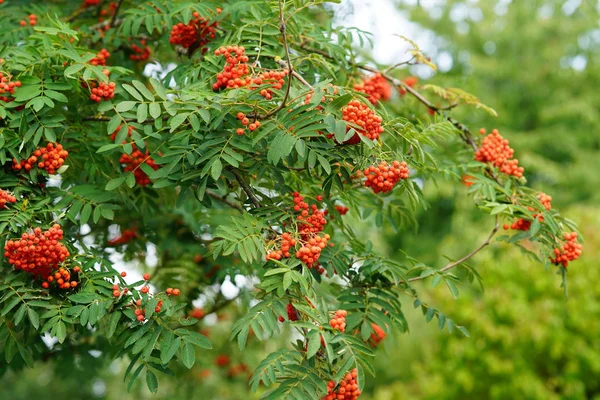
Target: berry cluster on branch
{"x":383,"y":177}
{"x":236,"y":73}
{"x":365,"y":121}
{"x":49,"y":158}
{"x":495,"y":150}
{"x":141,"y":52}
{"x":195,"y":34}
{"x":346,"y":390}
{"x":6,"y":197}
{"x":569,"y":251}
{"x":376,"y":87}
{"x":7,"y":87}
{"x":37,"y":252}
{"x":338,"y":322}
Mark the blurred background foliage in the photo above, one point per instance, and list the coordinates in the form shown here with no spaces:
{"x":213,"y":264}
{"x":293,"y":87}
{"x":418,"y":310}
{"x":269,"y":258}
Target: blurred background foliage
{"x":536,"y":62}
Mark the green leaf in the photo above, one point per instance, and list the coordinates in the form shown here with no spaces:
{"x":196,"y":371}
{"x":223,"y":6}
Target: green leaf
{"x":188,"y":355}
{"x":216,"y":169}
{"x":167,"y":353}
{"x":195,"y":338}
{"x":125,"y":106}
{"x":143,"y":90}
{"x":73,"y":69}
{"x":108,"y":147}
{"x":130,"y":89}
{"x":113,"y":322}
{"x":10,"y":305}
{"x":151,"y":381}
{"x":34,"y":318}
{"x":115,"y":183}
{"x":83,"y":297}
{"x":142,"y":112}
{"x":61,"y":332}
{"x":85,"y":213}
{"x":154,"y":109}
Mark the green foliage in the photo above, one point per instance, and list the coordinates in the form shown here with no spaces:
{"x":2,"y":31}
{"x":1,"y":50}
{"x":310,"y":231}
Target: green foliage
{"x":162,"y":161}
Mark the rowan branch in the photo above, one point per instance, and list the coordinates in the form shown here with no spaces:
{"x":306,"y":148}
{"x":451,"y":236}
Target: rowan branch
{"x":465,"y":258}
{"x":245,"y":187}
{"x":283,"y":30}
{"x":113,"y":19}
{"x":223,"y":199}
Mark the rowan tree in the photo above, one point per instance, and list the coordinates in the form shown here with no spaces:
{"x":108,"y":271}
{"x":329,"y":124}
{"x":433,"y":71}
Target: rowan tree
{"x":265,"y":142}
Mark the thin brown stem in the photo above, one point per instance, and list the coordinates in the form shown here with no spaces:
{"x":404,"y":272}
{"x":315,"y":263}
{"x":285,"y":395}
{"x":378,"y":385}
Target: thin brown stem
{"x":223,"y":199}
{"x":283,"y":30}
{"x":113,"y":19}
{"x":245,"y":187}
{"x":466,"y":257}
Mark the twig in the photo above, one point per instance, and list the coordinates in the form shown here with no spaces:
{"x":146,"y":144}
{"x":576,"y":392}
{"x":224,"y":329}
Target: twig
{"x":224,"y":199}
{"x":282,"y":29}
{"x":77,"y":13}
{"x":245,"y":187}
{"x":465,"y":258}
{"x":102,"y":118}
{"x":295,"y":74}
{"x":113,"y":19}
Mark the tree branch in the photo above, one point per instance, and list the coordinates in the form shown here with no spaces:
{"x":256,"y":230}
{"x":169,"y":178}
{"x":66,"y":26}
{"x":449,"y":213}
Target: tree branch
{"x":224,"y":199}
{"x":113,"y":19}
{"x":282,"y":29}
{"x":465,"y":258}
{"x":245,"y":187}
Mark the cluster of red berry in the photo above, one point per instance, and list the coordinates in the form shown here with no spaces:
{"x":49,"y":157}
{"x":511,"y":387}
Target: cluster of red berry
{"x":310,"y":252}
{"x":274,"y":78}
{"x":173,"y":292}
{"x":246,"y":122}
{"x":37,"y":252}
{"x":90,"y":3}
{"x":196,"y":33}
{"x":127,"y":235}
{"x":342,"y":210}
{"x":105,"y":91}
{"x":236,"y":67}
{"x":236,"y":73}
{"x":376,"y":87}
{"x":520,"y":224}
{"x":291,"y":313}
{"x":410,"y":81}
{"x":546,"y":200}
{"x":338,"y":322}
{"x":52,"y":158}
{"x":141,"y":52}
{"x":366,"y":121}
{"x":383,"y":177}
{"x":6,"y":197}
{"x":346,"y":390}
{"x":100,"y":58}
{"x":312,"y":223}
{"x":524,"y":225}
{"x":377,"y":336}
{"x":496,"y":151}
{"x":197,"y":313}
{"x":112,"y":7}
{"x":570,"y":251}
{"x":62,"y":278}
{"x":287,"y":243}
{"x":133,"y":161}
{"x":222,"y":360}
{"x":32,"y":20}
{"x":7,"y":88}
